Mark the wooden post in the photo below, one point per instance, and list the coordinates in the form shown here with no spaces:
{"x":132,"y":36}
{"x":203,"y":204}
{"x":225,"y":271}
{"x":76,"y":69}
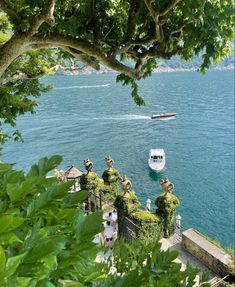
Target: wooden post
{"x":89,"y":203}
{"x":100,"y":197}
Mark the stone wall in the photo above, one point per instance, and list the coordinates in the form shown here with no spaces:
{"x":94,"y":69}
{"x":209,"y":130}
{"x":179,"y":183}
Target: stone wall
{"x":212,"y":256}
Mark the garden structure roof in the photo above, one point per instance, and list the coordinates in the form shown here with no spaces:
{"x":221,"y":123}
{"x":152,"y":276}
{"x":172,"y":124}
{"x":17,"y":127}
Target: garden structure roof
{"x":72,"y":173}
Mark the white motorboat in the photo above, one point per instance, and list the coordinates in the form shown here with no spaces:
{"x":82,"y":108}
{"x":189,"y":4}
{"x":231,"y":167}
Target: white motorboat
{"x":157,"y":159}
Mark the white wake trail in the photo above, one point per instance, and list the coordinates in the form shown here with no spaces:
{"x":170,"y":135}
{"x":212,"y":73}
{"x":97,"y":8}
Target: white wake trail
{"x":83,"y":87}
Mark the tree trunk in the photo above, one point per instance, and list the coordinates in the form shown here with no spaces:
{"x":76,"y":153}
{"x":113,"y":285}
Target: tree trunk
{"x":12,"y":49}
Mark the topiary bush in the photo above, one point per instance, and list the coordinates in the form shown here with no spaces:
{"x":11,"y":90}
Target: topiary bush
{"x":91,"y":182}
{"x":111,"y":176}
{"x":127,"y":205}
{"x":142,"y":216}
{"x":166,"y":210}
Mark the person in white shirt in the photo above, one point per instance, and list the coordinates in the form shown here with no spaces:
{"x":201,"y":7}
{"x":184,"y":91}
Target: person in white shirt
{"x":108,"y":234}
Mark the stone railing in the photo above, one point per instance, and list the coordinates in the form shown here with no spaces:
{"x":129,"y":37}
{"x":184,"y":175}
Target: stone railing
{"x":206,"y":252}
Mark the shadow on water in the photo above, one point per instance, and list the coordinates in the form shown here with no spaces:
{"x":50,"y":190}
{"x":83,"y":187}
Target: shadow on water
{"x":155,"y":176}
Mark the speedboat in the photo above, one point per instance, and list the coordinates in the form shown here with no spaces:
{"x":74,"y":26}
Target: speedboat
{"x":162,"y":116}
{"x":157,"y":159}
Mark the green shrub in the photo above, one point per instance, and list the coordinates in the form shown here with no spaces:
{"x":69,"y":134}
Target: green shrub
{"x":111,"y":176}
{"x":91,"y":182}
{"x":44,"y":237}
{"x":142,"y":216}
{"x":127,"y":205}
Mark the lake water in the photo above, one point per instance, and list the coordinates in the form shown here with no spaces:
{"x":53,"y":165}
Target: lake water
{"x":93,"y":116}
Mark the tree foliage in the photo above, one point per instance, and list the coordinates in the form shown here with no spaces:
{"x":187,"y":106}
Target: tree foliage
{"x":46,"y":239}
{"x":128,"y":36}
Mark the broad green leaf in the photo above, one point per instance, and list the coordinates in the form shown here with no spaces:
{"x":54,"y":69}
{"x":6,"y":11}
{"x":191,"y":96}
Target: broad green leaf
{"x":9,"y":222}
{"x":88,"y":226}
{"x":19,"y":281}
{"x":45,"y":247}
{"x":77,"y":197}
{"x":32,"y":236}
{"x":48,"y":284}
{"x":67,"y":214}
{"x":2,"y":260}
{"x":55,"y":192}
{"x":50,"y":263}
{"x":4,"y":167}
{"x":45,"y":165}
{"x":8,"y":238}
{"x":13,"y":263}
{"x":14,"y":177}
{"x":69,"y":283}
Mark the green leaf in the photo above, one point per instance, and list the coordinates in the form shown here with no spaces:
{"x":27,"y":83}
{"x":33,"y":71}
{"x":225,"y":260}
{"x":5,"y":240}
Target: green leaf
{"x":69,"y":283}
{"x":77,"y":197}
{"x":88,"y":226}
{"x":32,"y":236}
{"x":8,"y":238}
{"x":19,"y":281}
{"x":9,"y":222}
{"x":45,"y":247}
{"x":55,"y":192}
{"x":2,"y":260}
{"x":45,"y":165}
{"x":67,"y":214}
{"x":13,"y":263}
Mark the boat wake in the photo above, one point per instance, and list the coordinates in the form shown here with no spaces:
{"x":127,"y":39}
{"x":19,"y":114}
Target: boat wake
{"x":127,"y":117}
{"x":133,"y":117}
{"x":83,"y":87}
{"x":119,"y":118}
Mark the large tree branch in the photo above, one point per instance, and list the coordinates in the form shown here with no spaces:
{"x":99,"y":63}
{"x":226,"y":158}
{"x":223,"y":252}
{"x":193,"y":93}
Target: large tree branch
{"x":152,"y":12}
{"x":89,"y":49}
{"x":20,"y":76}
{"x":85,"y":59}
{"x":154,"y":53}
{"x":45,"y":16}
{"x":156,"y":18}
{"x":89,"y":61}
{"x":132,"y":14}
{"x":9,"y":10}
{"x":170,"y":6}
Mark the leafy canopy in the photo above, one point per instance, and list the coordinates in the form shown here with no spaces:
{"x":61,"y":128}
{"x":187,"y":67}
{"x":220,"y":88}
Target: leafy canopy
{"x":46,"y":239}
{"x":128,"y":36}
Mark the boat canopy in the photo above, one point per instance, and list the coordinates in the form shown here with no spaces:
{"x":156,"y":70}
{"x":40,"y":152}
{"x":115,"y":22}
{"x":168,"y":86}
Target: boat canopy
{"x":157,"y":152}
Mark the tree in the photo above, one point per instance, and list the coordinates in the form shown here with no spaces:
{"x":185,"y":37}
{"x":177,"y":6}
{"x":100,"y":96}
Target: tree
{"x":127,"y":36}
{"x":46,"y":239}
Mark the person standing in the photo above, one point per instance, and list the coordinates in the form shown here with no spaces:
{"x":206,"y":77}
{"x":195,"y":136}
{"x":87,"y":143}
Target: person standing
{"x":108,"y":234}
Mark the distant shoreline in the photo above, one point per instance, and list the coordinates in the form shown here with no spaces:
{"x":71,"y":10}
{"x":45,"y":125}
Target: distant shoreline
{"x":88,"y":71}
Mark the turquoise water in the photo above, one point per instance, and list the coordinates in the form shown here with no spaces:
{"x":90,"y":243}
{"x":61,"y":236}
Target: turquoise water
{"x":84,"y":117}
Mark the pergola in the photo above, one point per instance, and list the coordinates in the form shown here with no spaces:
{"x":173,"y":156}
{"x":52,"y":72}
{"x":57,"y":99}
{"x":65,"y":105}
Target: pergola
{"x":73,"y":173}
